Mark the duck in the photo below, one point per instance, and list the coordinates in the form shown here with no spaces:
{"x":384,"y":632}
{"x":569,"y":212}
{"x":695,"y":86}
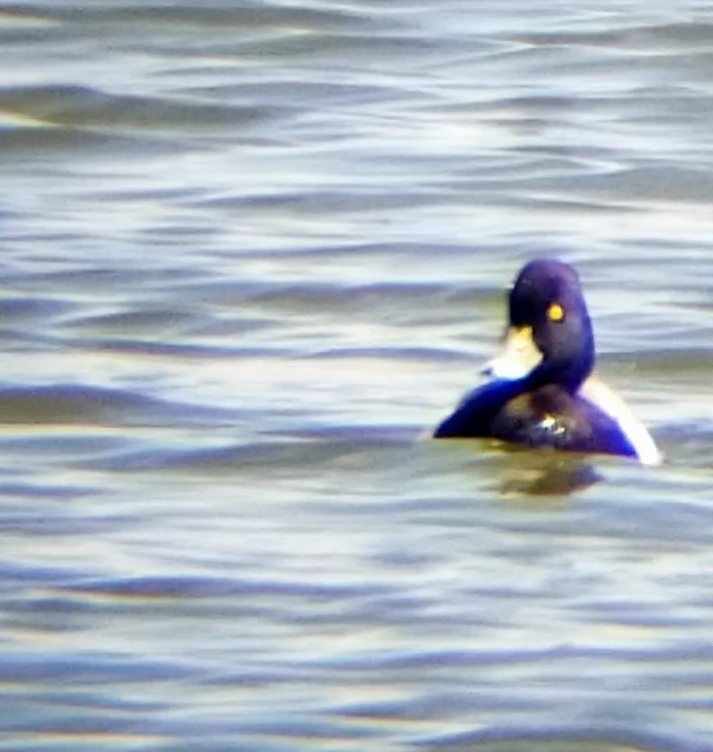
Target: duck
{"x":540,"y":389}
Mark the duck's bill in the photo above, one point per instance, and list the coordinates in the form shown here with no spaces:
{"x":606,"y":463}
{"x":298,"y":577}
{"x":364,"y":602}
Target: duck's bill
{"x":517,"y":358}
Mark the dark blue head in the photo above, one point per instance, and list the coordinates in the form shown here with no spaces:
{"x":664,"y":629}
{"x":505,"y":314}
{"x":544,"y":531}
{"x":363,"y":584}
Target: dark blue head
{"x":550,"y":338}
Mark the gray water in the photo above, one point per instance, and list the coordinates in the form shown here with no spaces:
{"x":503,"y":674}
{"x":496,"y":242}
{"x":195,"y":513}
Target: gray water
{"x":250,"y":253}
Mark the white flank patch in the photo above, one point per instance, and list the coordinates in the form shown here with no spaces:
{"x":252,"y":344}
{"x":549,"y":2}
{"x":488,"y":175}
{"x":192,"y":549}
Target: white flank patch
{"x":600,"y":395}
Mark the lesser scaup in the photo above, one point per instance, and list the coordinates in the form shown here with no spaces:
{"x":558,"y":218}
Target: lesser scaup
{"x":541,"y":391}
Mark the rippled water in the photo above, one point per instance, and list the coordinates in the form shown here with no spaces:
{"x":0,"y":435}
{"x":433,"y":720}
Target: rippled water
{"x":250,"y":252}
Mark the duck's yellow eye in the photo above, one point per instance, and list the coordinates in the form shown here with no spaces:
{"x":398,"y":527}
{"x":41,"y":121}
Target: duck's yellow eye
{"x":555,"y":312}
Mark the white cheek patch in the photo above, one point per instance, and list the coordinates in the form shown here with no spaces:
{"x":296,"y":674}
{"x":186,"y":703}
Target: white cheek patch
{"x":517,"y":358}
{"x":600,"y":395}
{"x":502,"y":367}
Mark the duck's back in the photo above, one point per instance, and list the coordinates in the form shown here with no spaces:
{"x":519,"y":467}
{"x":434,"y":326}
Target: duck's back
{"x":545,"y":417}
{"x":550,"y":416}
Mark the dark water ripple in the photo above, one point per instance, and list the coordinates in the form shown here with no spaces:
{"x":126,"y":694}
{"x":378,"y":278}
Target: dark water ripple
{"x":69,"y":404}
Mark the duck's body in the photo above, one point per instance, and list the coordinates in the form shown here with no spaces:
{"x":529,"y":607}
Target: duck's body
{"x":546,"y":416}
{"x":541,"y":392}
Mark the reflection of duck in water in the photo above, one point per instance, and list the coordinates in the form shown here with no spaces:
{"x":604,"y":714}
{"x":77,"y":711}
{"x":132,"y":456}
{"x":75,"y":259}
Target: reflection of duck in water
{"x":541,"y":392}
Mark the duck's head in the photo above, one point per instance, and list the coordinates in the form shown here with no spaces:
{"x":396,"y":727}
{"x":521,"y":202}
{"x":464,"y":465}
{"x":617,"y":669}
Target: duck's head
{"x":549,"y":338}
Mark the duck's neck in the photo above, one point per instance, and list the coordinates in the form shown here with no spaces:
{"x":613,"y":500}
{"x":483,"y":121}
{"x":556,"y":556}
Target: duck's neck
{"x":569,"y":374}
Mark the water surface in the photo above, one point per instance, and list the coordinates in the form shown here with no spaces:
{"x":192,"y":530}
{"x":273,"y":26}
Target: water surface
{"x":251,"y":252}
